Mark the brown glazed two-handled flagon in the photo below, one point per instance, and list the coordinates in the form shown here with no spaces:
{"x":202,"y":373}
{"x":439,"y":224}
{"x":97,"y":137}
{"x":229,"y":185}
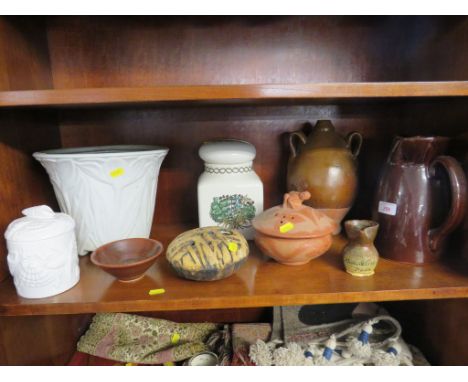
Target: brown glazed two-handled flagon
{"x":325,"y":164}
{"x":416,"y":206}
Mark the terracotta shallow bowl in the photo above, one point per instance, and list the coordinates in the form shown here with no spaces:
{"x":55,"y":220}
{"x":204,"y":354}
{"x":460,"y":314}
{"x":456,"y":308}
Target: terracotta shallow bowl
{"x":127,"y":259}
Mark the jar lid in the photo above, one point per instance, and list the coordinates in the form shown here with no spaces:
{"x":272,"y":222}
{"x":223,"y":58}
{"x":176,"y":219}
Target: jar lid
{"x":293,"y":220}
{"x":39,"y":223}
{"x":227,"y":151}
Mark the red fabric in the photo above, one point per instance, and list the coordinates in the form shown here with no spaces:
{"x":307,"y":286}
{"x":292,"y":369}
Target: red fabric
{"x":83,"y":359}
{"x":244,"y":335}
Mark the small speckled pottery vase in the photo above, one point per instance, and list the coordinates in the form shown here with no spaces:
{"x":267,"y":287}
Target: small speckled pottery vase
{"x":360,"y":255}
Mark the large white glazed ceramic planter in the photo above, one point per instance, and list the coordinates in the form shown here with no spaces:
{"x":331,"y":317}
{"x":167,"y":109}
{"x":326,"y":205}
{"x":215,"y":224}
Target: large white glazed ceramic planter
{"x":110,"y":191}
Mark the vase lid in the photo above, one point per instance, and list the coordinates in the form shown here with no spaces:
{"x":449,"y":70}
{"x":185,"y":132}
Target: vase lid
{"x":227,"y":151}
{"x":39,"y":223}
{"x":294,"y":220}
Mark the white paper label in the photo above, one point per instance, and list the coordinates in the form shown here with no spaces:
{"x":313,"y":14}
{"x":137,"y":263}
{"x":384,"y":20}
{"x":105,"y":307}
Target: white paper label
{"x":387,"y":208}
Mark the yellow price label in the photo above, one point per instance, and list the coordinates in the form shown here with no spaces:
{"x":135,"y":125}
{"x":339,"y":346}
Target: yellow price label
{"x":175,"y":338}
{"x":115,"y":173}
{"x":154,"y":292}
{"x":286,"y":227}
{"x":232,"y":247}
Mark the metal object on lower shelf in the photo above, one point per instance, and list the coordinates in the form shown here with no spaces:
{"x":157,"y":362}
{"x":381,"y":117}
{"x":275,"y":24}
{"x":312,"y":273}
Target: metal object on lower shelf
{"x":206,"y":358}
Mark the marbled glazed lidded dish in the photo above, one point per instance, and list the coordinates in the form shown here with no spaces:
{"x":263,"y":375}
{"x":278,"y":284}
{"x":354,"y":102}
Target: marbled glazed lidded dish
{"x":42,"y":252}
{"x":208,"y":253}
{"x":293,"y":233}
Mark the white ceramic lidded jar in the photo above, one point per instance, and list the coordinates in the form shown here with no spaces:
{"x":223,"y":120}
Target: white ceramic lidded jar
{"x":42,"y":252}
{"x":230,"y":193}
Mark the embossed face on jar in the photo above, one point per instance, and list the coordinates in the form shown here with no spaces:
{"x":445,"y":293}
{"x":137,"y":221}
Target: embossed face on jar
{"x":36,"y":267}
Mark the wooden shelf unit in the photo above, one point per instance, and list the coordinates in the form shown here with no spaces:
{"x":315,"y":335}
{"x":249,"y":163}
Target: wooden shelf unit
{"x":258,"y":79}
{"x":231,"y":93}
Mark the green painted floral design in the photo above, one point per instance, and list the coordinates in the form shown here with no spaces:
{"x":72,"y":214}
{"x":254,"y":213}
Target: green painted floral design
{"x":233,"y":211}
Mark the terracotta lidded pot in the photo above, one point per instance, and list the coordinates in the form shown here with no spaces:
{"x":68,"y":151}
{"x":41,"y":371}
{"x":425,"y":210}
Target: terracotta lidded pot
{"x":325,"y":165}
{"x":293,"y":234}
{"x":415,"y":205}
{"x":360,"y":256}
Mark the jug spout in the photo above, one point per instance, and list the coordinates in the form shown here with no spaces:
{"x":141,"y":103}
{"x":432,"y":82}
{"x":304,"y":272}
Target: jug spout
{"x":417,"y":150}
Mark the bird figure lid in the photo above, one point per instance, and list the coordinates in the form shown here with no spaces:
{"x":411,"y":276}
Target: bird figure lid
{"x":293,"y":219}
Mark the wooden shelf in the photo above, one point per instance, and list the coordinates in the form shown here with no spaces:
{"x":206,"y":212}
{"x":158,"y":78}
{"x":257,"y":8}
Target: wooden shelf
{"x":227,"y":93}
{"x":260,"y":282}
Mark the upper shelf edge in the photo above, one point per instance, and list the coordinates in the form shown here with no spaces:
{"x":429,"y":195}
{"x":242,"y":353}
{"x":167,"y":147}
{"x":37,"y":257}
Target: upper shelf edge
{"x":206,"y":93}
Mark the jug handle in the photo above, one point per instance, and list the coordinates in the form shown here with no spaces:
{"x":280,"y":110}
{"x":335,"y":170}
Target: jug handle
{"x":459,"y":195}
{"x":302,"y":138}
{"x":357,"y":147}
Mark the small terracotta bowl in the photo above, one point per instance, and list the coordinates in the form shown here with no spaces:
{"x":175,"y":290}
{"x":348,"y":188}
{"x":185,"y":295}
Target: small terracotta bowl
{"x":127,"y":259}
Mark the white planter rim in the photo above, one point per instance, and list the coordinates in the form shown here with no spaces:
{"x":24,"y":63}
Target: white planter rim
{"x":101,"y":151}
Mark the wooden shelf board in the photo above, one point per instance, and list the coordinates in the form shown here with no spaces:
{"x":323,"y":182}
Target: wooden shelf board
{"x":226,"y":93}
{"x":260,"y":282}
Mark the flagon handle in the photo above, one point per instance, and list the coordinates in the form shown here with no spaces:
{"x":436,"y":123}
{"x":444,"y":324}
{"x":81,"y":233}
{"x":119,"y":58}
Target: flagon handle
{"x":301,"y":137}
{"x":459,"y":203}
{"x":357,"y":137}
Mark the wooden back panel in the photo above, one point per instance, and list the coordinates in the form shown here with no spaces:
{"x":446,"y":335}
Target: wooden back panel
{"x":40,"y":340}
{"x":183,"y":129}
{"x":24,"y":56}
{"x":437,"y":327}
{"x":227,"y":50}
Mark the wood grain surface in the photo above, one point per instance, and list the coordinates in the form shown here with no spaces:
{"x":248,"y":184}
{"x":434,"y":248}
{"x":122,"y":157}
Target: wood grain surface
{"x":40,"y":340}
{"x":437,"y":327}
{"x":94,"y":52}
{"x":24,"y":55}
{"x":231,"y":93}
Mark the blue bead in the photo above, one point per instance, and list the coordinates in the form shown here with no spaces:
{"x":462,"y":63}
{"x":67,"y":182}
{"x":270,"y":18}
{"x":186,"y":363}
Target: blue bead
{"x":308,"y":354}
{"x":364,"y":337}
{"x":327,"y":353}
{"x":392,"y":350}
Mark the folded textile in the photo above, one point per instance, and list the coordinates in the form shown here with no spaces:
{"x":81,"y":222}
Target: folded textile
{"x":130,"y":338}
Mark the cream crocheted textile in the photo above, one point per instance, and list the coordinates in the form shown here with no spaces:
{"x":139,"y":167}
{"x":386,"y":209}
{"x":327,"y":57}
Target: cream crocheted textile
{"x":374,"y":342}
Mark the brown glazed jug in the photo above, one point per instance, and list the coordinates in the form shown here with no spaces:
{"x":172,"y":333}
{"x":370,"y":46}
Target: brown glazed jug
{"x":415,"y":206}
{"x":460,"y":152}
{"x":325,"y":165}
